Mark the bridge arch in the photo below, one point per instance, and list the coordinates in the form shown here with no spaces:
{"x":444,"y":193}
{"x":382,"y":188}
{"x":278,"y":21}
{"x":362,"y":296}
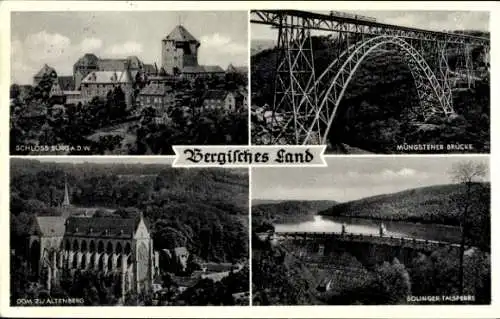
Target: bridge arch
{"x":332,"y":88}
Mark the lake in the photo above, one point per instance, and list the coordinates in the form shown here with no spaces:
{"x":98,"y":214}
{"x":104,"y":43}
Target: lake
{"x":328,"y":224}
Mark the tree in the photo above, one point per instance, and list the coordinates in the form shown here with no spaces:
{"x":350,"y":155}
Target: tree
{"x":466,"y":173}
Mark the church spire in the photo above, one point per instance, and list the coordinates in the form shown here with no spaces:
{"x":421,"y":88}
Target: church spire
{"x":66,"y":202}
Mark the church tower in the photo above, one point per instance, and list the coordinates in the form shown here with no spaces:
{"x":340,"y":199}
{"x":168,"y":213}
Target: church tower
{"x":66,"y":203}
{"x":179,"y":49}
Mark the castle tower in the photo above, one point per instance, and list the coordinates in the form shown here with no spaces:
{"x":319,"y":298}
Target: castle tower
{"x":178,"y":50}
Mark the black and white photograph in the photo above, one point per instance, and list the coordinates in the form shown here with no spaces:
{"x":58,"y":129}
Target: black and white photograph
{"x":373,"y":231}
{"x":371,"y":82}
{"x":128,"y":232}
{"x":127,"y":82}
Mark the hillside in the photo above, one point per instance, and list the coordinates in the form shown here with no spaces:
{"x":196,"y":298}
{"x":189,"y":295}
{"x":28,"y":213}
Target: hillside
{"x":205,"y":210}
{"x":380,"y":107}
{"x":441,"y":204}
{"x":258,"y":45}
{"x":287,"y":211}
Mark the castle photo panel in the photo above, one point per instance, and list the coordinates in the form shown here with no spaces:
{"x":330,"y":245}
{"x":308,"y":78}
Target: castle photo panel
{"x":132,"y":83}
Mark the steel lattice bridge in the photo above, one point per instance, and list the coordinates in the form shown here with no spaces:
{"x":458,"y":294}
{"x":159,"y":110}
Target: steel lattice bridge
{"x":305,"y":103}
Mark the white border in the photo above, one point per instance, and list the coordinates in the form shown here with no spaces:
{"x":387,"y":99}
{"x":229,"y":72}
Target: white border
{"x":234,"y":312}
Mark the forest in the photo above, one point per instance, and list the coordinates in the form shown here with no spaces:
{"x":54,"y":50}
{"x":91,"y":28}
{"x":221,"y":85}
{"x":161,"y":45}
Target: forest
{"x":281,"y":278}
{"x":380,"y":108}
{"x":440,"y":204}
{"x":203,"y":209}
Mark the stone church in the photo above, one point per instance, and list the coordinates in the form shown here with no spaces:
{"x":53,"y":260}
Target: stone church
{"x":114,"y":246}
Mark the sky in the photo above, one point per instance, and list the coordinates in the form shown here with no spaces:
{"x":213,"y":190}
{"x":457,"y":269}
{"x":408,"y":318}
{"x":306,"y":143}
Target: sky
{"x":61,"y":38}
{"x":348,"y":179}
{"x":430,"y":20}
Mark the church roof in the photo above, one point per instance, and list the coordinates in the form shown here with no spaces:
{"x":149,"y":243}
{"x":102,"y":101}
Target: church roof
{"x":180,"y":34}
{"x":50,"y":225}
{"x":115,"y":227}
{"x":45,"y":70}
{"x":108,"y":77}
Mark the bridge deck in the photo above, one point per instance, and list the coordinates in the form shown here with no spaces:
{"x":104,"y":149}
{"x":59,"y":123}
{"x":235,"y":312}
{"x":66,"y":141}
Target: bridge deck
{"x":384,"y":240}
{"x":325,"y":22}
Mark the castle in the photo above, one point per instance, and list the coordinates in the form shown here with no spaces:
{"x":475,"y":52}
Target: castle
{"x":121,"y":248}
{"x":95,"y":76}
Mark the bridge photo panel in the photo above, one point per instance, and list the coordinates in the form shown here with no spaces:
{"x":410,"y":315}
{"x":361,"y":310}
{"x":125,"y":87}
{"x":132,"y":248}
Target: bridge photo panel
{"x":379,"y":82}
{"x":373,"y":231}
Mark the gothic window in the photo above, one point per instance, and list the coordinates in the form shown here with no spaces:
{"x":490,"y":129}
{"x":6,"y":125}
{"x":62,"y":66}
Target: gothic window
{"x":100,"y":247}
{"x":127,"y":249}
{"x":119,"y":248}
{"x":75,"y":261}
{"x":75,"y":245}
{"x":110,"y":263}
{"x":101,"y":263}
{"x":92,"y":246}
{"x":84,"y":262}
{"x":109,"y":248}
{"x":142,"y":262}
{"x":84,"y":246}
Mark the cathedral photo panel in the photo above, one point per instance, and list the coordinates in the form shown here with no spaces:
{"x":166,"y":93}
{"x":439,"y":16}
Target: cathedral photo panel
{"x":86,"y":83}
{"x":131,"y":232}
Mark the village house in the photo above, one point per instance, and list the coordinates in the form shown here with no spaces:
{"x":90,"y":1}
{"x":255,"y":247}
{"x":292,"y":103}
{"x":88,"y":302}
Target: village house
{"x":219,"y":99}
{"x":100,"y":83}
{"x":159,"y":96}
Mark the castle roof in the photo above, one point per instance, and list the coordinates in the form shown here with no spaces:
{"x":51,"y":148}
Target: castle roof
{"x":155,"y":89}
{"x":111,"y":64}
{"x":216,"y":95}
{"x":46,"y":70}
{"x":202,"y":69}
{"x":150,"y":69}
{"x":50,"y":226}
{"x":66,"y":83}
{"x":236,"y":69}
{"x":193,"y":69}
{"x":89,"y":59}
{"x":133,"y":62}
{"x":180,"y":34}
{"x":213,"y":69}
{"x":115,"y":227}
{"x":108,"y":77}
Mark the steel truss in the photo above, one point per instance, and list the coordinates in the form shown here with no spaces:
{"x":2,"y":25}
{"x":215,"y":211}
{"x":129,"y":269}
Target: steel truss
{"x":433,"y":98}
{"x":295,"y":93}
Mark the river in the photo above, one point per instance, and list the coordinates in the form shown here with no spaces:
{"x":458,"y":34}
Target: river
{"x":327,"y":224}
